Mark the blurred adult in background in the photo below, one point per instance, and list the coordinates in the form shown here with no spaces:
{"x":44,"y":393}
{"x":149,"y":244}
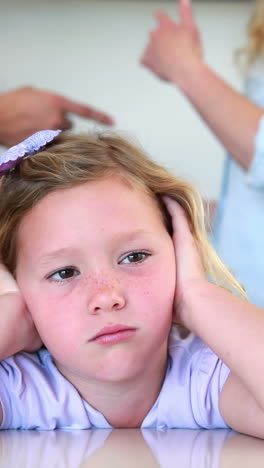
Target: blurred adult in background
{"x":24,"y":111}
{"x":175,"y":53}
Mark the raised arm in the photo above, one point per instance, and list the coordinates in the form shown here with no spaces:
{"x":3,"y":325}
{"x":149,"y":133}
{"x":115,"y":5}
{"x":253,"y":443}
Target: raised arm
{"x":17,"y":330}
{"x":230,"y":326}
{"x":174,"y":53}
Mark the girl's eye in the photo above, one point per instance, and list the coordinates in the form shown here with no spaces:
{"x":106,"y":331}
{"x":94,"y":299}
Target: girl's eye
{"x":135,"y":257}
{"x":64,"y":274}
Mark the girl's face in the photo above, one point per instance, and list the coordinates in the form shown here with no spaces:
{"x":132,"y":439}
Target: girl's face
{"x":96,"y":268}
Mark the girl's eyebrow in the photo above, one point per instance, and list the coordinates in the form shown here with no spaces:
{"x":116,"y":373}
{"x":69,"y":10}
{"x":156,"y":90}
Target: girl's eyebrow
{"x":131,"y":235}
{"x":121,"y":237}
{"x":46,"y":257}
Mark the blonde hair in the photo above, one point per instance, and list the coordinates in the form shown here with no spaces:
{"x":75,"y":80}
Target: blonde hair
{"x":72,"y":160}
{"x":254,"y":47}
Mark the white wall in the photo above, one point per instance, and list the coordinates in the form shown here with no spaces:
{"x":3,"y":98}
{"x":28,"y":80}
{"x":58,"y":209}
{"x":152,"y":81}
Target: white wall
{"x":89,"y":50}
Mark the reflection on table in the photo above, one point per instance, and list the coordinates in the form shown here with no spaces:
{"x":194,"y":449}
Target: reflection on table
{"x":127,"y":448}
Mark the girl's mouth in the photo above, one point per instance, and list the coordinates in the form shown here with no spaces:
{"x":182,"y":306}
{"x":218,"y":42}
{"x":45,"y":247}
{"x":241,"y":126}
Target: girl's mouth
{"x":113,"y":334}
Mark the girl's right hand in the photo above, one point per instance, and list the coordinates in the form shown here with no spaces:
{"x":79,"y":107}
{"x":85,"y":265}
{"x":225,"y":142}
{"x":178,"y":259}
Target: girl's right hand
{"x":190,"y":274}
{"x":17,"y":330}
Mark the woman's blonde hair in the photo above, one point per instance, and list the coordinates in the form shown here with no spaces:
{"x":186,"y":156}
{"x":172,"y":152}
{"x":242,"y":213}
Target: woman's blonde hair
{"x":72,"y":160}
{"x":254,"y":47}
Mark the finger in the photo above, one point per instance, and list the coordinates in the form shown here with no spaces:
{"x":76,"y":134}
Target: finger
{"x":163,"y":18}
{"x":179,"y":221}
{"x":186,"y":13}
{"x":188,"y":260}
{"x":147,"y":62}
{"x":85,"y":111}
{"x":145,"y":57}
{"x":144,"y":61}
{"x":66,"y":124}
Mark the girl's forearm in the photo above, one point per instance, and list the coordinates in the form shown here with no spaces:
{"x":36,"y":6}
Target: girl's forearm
{"x":233,"y":118}
{"x":11,"y":324}
{"x":17,"y":330}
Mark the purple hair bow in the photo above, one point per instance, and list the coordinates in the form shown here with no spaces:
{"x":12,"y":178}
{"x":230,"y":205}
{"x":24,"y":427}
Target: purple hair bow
{"x":14,"y":155}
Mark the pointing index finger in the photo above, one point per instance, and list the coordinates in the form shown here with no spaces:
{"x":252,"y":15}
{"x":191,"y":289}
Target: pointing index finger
{"x":86,"y":111}
{"x":162,"y":17}
{"x":186,"y":13}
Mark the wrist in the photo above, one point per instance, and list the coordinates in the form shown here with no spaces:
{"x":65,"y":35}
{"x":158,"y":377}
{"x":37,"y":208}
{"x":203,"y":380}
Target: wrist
{"x":194,"y":296}
{"x":192,"y":72}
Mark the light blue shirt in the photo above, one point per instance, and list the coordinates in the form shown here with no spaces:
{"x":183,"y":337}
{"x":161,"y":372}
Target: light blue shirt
{"x":35,"y":395}
{"x":239,"y":228}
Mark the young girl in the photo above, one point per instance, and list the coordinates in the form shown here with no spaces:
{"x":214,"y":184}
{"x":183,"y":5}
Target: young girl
{"x":108,"y":250}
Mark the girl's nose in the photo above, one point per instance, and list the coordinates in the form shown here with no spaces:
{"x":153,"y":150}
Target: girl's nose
{"x":106,"y":298}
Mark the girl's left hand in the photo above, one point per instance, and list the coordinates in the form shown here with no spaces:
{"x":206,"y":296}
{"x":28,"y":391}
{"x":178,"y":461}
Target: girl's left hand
{"x":190,"y":272}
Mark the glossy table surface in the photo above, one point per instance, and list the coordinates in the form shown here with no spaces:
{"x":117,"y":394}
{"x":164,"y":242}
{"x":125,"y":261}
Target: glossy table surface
{"x":127,"y":448}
